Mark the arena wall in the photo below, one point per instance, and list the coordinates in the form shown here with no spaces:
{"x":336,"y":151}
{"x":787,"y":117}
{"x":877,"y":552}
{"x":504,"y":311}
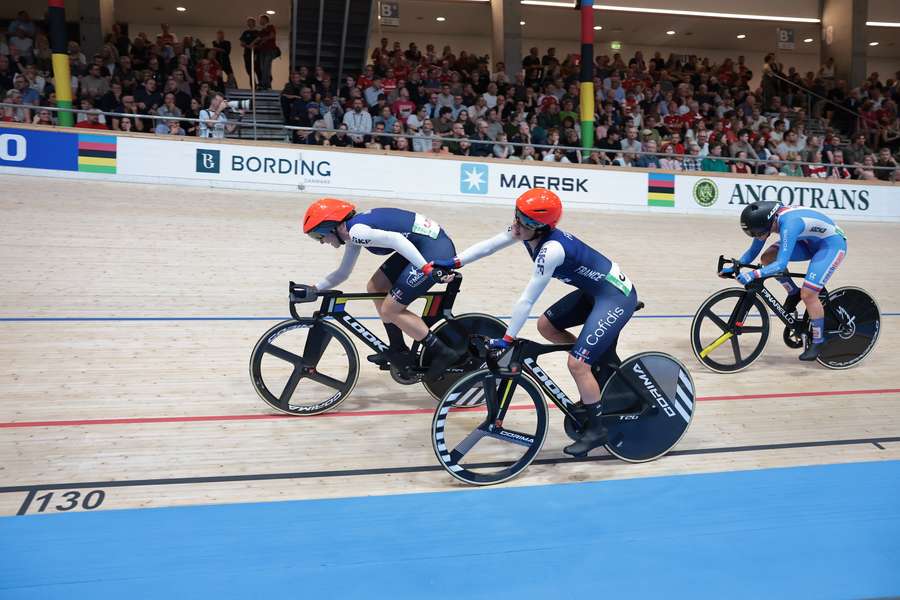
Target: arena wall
{"x":70,"y":153}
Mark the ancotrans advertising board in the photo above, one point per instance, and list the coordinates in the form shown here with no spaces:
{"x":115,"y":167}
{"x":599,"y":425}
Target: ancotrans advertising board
{"x":313,"y":169}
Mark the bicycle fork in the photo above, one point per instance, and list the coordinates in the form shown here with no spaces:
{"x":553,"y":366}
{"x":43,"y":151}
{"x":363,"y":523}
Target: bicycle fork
{"x":735,"y":321}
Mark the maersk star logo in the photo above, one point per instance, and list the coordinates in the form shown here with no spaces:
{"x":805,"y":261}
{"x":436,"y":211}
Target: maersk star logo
{"x":473,"y":179}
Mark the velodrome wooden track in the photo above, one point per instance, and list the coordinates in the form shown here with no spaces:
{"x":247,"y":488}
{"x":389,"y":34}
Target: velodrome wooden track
{"x":129,"y":313}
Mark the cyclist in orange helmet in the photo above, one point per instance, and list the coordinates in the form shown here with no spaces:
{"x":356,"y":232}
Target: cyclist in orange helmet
{"x":411,"y":240}
{"x":603,"y":302}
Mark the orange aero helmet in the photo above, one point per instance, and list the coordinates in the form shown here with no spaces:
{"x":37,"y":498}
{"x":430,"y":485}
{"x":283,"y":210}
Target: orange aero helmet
{"x":539,"y":209}
{"x":325,"y":214}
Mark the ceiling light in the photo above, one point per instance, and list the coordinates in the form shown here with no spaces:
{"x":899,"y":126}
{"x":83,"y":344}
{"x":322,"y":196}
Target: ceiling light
{"x":873,"y":43}
{"x":522,"y":23}
{"x":741,"y":36}
{"x":180,"y":8}
{"x":882,"y":24}
{"x":686,"y":13}
{"x":670,"y":32}
{"x":597,"y":27}
{"x":441,"y":19}
{"x":807,"y":40}
{"x":270,"y":12}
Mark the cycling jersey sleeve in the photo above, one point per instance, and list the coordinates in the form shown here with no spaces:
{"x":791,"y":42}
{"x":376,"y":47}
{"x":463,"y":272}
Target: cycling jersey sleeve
{"x":351,"y":253}
{"x":486,"y":248}
{"x":752,"y":251}
{"x":790,"y":231}
{"x":551,"y":256}
{"x":363,"y":235}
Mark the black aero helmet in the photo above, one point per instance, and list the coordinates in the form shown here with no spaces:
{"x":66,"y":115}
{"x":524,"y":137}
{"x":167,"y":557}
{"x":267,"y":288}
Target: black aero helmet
{"x":757,"y":217}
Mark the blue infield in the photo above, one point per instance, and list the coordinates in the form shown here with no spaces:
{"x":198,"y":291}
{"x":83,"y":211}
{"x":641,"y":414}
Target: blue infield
{"x":808,"y":532}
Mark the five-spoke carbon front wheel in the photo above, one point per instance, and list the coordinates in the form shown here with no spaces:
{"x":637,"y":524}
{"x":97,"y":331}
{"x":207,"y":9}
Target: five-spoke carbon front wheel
{"x":724,"y":350}
{"x":304,"y":367}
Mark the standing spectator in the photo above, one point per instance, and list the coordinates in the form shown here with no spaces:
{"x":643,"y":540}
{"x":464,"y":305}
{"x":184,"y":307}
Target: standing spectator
{"x":222,"y":49}
{"x":358,"y":122}
{"x":213,"y":122}
{"x":266,"y":52}
{"x":23,"y":23}
{"x":291,"y":93}
{"x":248,"y":42}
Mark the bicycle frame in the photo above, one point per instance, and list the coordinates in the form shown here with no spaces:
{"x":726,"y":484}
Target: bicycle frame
{"x":524,"y":357}
{"x":438,"y":306}
{"x":754,"y":290}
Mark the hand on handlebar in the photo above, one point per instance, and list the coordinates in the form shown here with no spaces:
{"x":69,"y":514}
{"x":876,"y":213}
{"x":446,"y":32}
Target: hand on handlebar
{"x":500,"y":343}
{"x":747,"y":277}
{"x":447,"y":263}
{"x":727,"y":273}
{"x":437,"y":272}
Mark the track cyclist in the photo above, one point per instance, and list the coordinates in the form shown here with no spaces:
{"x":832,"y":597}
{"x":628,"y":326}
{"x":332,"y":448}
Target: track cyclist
{"x":412,"y":240}
{"x":603,"y":302}
{"x":805,"y":234}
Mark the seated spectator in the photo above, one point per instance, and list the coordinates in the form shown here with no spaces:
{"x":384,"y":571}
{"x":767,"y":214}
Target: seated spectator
{"x":27,"y":95}
{"x":740,"y":164}
{"x":669,"y":161}
{"x":789,"y":145}
{"x":648,"y":161}
{"x":15,"y":114}
{"x":87,"y":107}
{"x":129,"y":107}
{"x":340,"y":139}
{"x":467,"y":123}
{"x":147,"y":97}
{"x":213,"y":121}
{"x":168,"y":108}
{"x":482,"y":144}
{"x":816,"y":171}
{"x":43,"y":117}
{"x":358,"y":122}
{"x":790,"y":168}
{"x":886,"y":160}
{"x":630,"y":143}
{"x":92,"y":121}
{"x":693,"y":160}
{"x":866,"y":170}
{"x":838,"y":170}
{"x":743,"y":144}
{"x":93,"y":85}
{"x":422,"y":141}
{"x":501,"y":149}
{"x":169,"y":127}
{"x":445,"y":121}
{"x":713,"y":161}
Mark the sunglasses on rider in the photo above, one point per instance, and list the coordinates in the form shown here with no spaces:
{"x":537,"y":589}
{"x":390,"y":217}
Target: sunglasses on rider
{"x":527,"y":222}
{"x":323,"y":230}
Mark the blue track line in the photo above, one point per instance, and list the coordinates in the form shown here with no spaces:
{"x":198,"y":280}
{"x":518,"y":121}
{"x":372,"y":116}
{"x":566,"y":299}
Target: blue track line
{"x":151,"y":319}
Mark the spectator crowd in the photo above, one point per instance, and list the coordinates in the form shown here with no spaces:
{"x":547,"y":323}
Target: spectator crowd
{"x":161,"y":76}
{"x":680,"y":113}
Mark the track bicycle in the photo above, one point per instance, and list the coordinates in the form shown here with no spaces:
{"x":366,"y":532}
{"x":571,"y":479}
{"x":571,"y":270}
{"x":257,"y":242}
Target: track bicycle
{"x":731,"y":328}
{"x":491,"y":424}
{"x":309,"y":365}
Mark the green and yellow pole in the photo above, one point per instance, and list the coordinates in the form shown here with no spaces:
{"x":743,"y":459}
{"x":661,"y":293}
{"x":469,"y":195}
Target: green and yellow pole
{"x":587,"y":75}
{"x":62,"y":76}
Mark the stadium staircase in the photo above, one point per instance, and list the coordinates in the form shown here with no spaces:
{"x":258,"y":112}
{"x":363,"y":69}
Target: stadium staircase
{"x":325,"y":49}
{"x":268,"y":112}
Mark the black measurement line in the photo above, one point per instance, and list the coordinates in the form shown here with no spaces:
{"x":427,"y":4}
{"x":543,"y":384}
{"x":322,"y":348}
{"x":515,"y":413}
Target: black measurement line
{"x":26,"y":504}
{"x":879,"y":446}
{"x":32,"y":489}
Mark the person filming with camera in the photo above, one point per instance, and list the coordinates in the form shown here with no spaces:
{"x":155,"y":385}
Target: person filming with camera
{"x":213,"y":120}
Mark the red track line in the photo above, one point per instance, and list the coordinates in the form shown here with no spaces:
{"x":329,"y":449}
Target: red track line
{"x":395,"y":412}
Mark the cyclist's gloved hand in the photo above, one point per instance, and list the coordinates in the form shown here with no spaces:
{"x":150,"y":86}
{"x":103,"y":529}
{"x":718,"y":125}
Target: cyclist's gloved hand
{"x":437,"y":273}
{"x":500,"y":343}
{"x":447,"y":263}
{"x":746,"y":277}
{"x":726,"y":273}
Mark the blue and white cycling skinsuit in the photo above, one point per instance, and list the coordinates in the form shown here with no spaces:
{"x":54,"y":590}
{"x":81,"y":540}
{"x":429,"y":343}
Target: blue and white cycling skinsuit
{"x":806,"y":234}
{"x":604,"y":301}
{"x":411,"y":239}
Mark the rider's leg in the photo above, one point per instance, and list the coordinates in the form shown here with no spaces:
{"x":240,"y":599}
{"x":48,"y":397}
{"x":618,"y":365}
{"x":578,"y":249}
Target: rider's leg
{"x":793,"y":292}
{"x":567,"y":312}
{"x":611,"y":312}
{"x":380,"y":283}
{"x":821,"y":268}
{"x":552,"y":334}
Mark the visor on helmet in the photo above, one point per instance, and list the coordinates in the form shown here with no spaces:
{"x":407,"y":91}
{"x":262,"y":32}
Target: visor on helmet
{"x":529,"y":223}
{"x":322,"y":230}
